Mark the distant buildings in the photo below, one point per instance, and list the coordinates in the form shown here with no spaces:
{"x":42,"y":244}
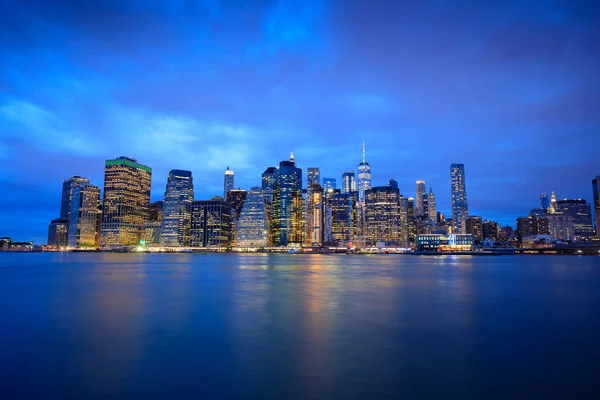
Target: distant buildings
{"x":58,"y":232}
{"x":460,"y":208}
{"x":344,"y":216}
{"x":211,"y":223}
{"x":67,"y":194}
{"x":431,"y":206}
{"x":596,"y":194}
{"x":57,"y":235}
{"x":252,"y":223}
{"x":474,"y":226}
{"x":227,"y":182}
{"x":179,"y":195}
{"x":329,"y":184}
{"x":581,"y":212}
{"x":126,"y":201}
{"x":313,"y":176}
{"x":84,"y":222}
{"x":544,"y":202}
{"x":560,"y":226}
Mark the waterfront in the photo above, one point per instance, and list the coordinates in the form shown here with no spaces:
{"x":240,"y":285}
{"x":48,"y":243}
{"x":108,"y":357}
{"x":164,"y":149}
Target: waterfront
{"x":299,"y":326}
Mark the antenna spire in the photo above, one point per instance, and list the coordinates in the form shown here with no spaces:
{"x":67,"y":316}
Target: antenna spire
{"x":364,"y":158}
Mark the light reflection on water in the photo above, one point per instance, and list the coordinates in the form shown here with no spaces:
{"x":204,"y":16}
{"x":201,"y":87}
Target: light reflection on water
{"x":301,"y":326}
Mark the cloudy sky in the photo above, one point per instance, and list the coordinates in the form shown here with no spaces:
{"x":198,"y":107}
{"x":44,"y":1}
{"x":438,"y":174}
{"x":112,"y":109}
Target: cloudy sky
{"x":511,"y":89}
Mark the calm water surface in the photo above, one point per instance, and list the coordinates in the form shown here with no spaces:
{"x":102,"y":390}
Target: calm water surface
{"x":301,"y":326}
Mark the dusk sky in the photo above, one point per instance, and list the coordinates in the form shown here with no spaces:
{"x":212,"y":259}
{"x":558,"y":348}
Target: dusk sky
{"x":511,"y":89}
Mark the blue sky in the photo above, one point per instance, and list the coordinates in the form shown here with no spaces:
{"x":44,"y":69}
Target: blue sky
{"x":509,"y":88}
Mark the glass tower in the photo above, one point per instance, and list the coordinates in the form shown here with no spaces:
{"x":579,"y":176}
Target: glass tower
{"x":227,"y":182}
{"x":67,"y":193}
{"x":348,"y":182}
{"x":458,"y":195}
{"x":126,"y":201}
{"x":581,"y":212}
{"x":314,"y":176}
{"x":85,"y":217}
{"x":364,"y":176}
{"x":419,"y":193}
{"x":179,"y":195}
{"x":287,"y":204}
{"x":329,"y":183}
{"x":252,"y":223}
{"x":382,"y":215}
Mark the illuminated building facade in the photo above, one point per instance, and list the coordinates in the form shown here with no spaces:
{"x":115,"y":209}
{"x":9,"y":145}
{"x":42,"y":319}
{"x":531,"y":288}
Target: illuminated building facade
{"x":176,"y":216}
{"x":227,"y":182}
{"x":67,"y":193}
{"x":211,"y":223}
{"x":560,"y":226}
{"x":287,"y":220}
{"x":552,"y":208}
{"x":156,"y":211}
{"x":126,"y":201}
{"x":84,"y":222}
{"x":252,"y":223}
{"x":411,"y":221}
{"x":419,"y":193}
{"x":474,"y":226}
{"x":443,"y":243}
{"x":460,"y":208}
{"x":236,"y":198}
{"x":490,"y":230}
{"x":596,"y":193}
{"x":581,"y":212}
{"x":58,"y":232}
{"x":532,"y":225}
{"x":329,"y":185}
{"x":313,"y":176}
{"x":315,"y":215}
{"x":268,"y":183}
{"x":343,"y":218}
{"x":431,"y":206}
{"x":382,"y":215}
{"x":151,"y":233}
{"x":544,"y":202}
{"x":348,"y":182}
{"x":364,"y":176}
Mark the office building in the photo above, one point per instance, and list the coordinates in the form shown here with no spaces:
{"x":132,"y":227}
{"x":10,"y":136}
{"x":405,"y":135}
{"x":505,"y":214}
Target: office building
{"x":176,"y":217}
{"x":315,"y":217}
{"x":419,"y":193}
{"x":313,"y":176}
{"x":474,"y":227}
{"x":84,"y":222}
{"x":236,"y":199}
{"x":581,"y":212}
{"x":343,"y":218}
{"x":364,"y":176}
{"x":532,"y":225}
{"x":560,"y":226}
{"x":490,"y":230}
{"x":126,"y":201}
{"x":544,"y":202}
{"x":58,"y":232}
{"x":67,"y":193}
{"x":348,"y":182}
{"x":460,"y":208}
{"x":382,"y":215}
{"x":227,"y":182}
{"x":329,"y":185}
{"x":287,"y":214}
{"x":211,"y":223}
{"x":444,"y":242}
{"x":156,"y":211}
{"x":393,"y":184}
{"x":252,"y":222}
{"x":431,"y":207}
{"x":151,"y":234}
{"x":268,"y":183}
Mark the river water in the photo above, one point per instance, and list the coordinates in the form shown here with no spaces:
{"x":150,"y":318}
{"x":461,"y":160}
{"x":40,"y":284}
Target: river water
{"x":218,"y":326}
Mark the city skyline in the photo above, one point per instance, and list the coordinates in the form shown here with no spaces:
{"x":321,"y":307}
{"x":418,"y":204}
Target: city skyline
{"x":203,"y":86}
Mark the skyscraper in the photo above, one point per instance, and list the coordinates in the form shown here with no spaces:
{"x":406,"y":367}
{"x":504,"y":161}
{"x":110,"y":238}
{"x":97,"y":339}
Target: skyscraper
{"x":393,"y":184}
{"x":84,"y":222}
{"x":382,"y":215}
{"x":458,"y":195}
{"x":252,"y":223}
{"x":420,"y":191}
{"x":581,"y":212}
{"x":211,"y":223}
{"x":58,"y":232}
{"x":364,"y":176}
{"x":315,"y":215}
{"x":126,"y":201}
{"x":227,"y":182}
{"x":329,"y":183}
{"x":348,"y":182}
{"x":431,"y":206}
{"x":343,"y":218}
{"x":67,"y":193}
{"x":287,"y":205}
{"x":268,"y":183}
{"x":156,"y":211}
{"x":544,"y":202}
{"x":179,"y":195}
{"x":313,"y":176}
{"x":596,"y":190}
{"x":474,"y":226}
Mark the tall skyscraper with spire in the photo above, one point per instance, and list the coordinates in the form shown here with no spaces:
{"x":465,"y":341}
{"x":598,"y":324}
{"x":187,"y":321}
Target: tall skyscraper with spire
{"x":227,"y":182}
{"x":458,"y":194}
{"x":419,"y":193}
{"x":364,"y":176}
